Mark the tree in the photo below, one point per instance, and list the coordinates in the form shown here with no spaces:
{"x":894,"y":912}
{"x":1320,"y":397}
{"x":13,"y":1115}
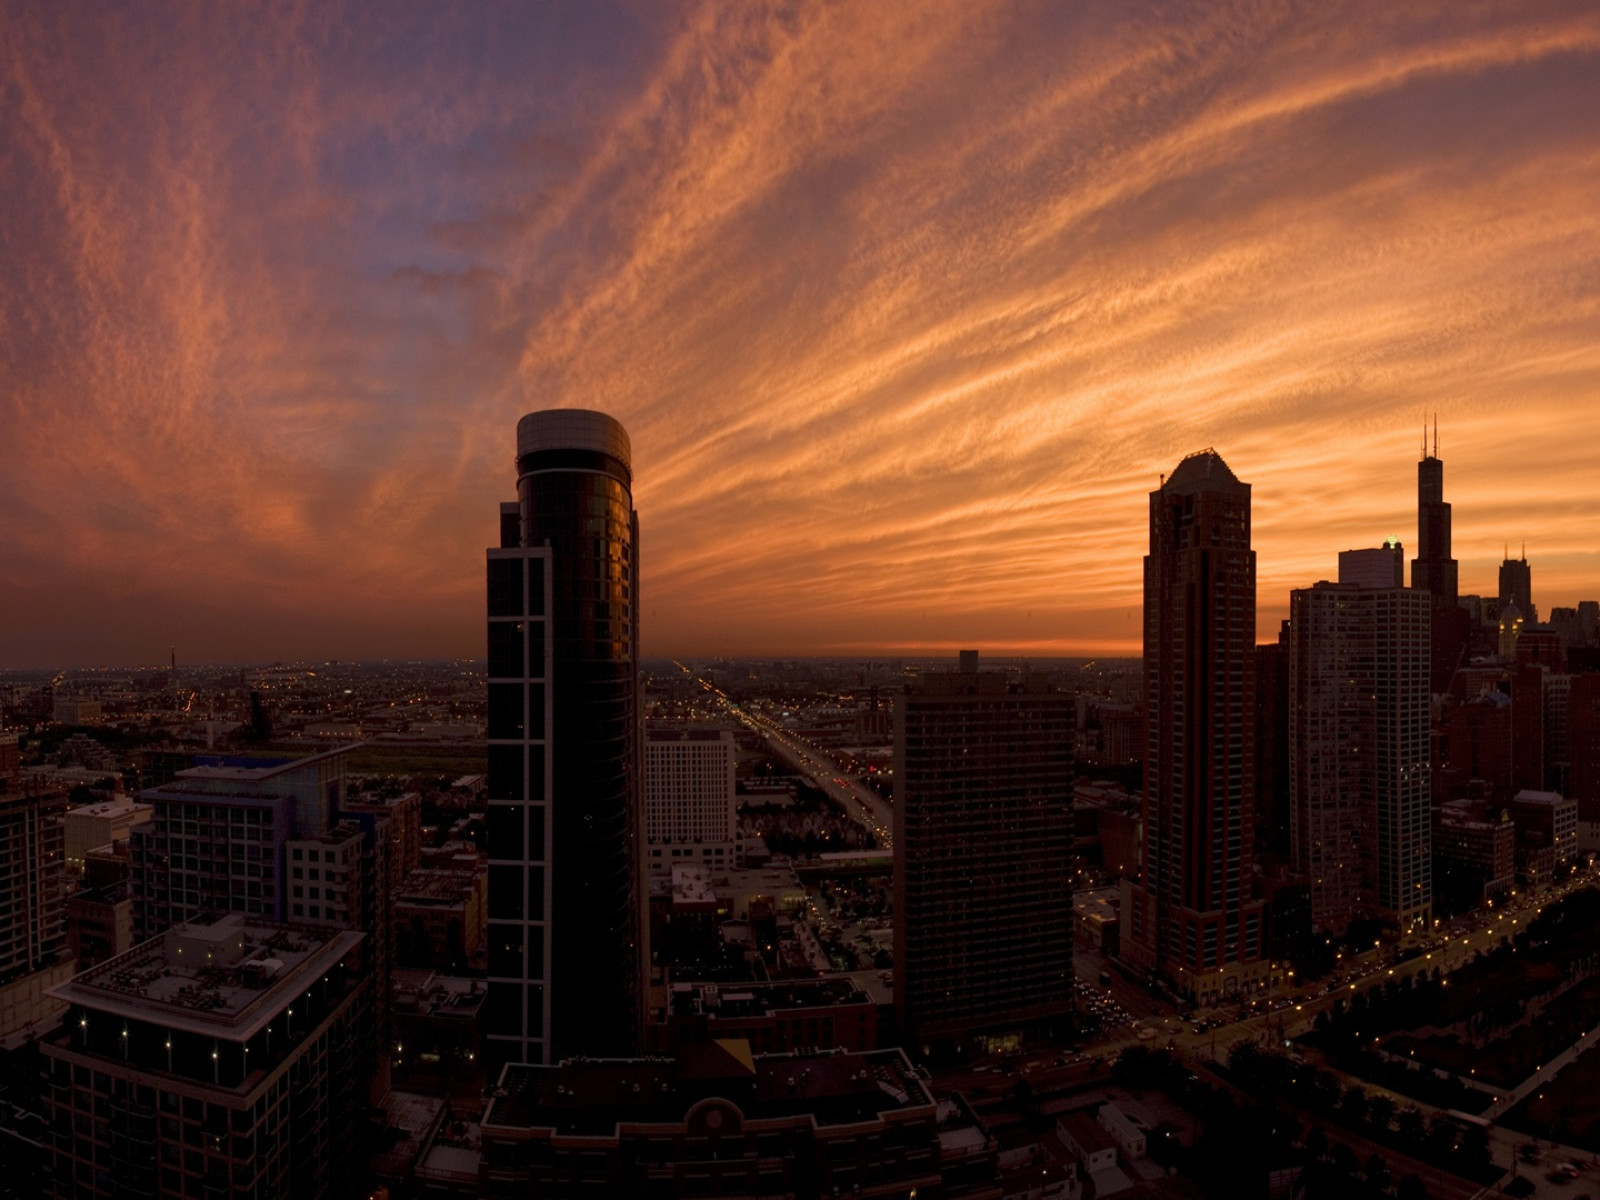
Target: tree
{"x":1409,"y":1124}
{"x":1377,"y":1172}
{"x":1410,"y":1188}
{"x":1380,"y":1111}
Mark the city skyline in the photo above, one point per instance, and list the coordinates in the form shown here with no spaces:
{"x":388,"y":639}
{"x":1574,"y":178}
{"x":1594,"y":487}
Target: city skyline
{"x":905,"y":312}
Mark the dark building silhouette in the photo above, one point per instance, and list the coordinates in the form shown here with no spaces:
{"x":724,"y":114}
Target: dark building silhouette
{"x":982,"y":855}
{"x":1516,"y":586}
{"x":1434,"y":570}
{"x":564,"y":838}
{"x":1272,"y":749}
{"x":1192,"y":918}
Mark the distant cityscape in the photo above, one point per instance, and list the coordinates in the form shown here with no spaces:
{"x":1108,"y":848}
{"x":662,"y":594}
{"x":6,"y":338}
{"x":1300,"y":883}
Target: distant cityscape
{"x":1314,"y":917}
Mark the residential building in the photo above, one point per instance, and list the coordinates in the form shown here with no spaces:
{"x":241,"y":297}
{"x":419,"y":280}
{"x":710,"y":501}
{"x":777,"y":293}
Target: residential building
{"x":982,"y":855}
{"x":1358,"y":750}
{"x":1191,"y":918}
{"x":219,"y":1059}
{"x":565,"y":825}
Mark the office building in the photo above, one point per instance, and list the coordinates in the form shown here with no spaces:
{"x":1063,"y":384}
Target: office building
{"x":565,"y":827}
{"x":1516,"y":586}
{"x":1358,"y":748}
{"x":1191,"y":919}
{"x":223,"y":1058}
{"x":1375,"y":567}
{"x":982,"y":856}
{"x":690,"y":806}
{"x":1434,"y":571}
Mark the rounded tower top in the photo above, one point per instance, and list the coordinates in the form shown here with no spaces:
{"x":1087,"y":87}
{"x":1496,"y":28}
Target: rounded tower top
{"x":546,"y":438}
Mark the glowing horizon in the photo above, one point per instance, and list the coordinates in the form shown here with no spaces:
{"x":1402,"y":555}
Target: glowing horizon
{"x":906,"y":312}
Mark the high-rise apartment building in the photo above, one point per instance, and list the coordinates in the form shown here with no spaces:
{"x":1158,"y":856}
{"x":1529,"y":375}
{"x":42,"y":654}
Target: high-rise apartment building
{"x":565,"y":827}
{"x":268,"y":838}
{"x":982,"y":855}
{"x":1191,"y":918}
{"x":1358,"y":750}
{"x":690,"y":805}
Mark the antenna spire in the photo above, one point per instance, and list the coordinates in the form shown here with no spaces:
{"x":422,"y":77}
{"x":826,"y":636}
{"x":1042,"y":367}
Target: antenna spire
{"x":1436,"y":434}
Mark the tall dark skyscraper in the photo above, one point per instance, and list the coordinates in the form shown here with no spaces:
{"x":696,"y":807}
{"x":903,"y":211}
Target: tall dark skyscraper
{"x":565,"y":836}
{"x":982,"y":855}
{"x":1433,"y":570}
{"x":1516,"y":586}
{"x":1192,"y":917}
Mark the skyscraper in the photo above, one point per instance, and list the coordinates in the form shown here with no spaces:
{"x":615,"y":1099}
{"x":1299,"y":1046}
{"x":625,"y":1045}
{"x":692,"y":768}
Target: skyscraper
{"x":1192,"y":917}
{"x":982,"y":855}
{"x":1358,"y":749}
{"x":565,"y":829}
{"x":1434,"y":571}
{"x":1516,"y":586}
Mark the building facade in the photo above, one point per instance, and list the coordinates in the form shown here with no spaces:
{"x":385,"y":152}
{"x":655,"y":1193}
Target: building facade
{"x":982,"y":855}
{"x":1359,"y":747}
{"x":1191,"y":918}
{"x":566,"y":890}
{"x":221,"y":1059}
{"x":690,"y":806}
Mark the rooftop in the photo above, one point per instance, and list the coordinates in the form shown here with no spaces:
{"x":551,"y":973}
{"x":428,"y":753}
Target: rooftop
{"x":592,"y":1097}
{"x":226,"y":978}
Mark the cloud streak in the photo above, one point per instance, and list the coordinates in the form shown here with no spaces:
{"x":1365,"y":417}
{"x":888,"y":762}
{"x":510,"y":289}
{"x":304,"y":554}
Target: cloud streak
{"x":906,"y":309}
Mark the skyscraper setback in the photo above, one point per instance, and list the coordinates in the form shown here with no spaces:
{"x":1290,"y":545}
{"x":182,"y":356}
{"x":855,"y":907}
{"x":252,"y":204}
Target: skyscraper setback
{"x":1192,"y":917}
{"x":565,"y":865}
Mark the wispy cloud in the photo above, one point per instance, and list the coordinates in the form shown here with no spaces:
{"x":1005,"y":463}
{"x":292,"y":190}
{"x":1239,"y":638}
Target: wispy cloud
{"x":906,"y":307}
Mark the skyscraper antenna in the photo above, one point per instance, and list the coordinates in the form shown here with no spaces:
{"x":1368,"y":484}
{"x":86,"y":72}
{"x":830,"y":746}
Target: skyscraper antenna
{"x":1424,"y":435}
{"x":1436,"y":435}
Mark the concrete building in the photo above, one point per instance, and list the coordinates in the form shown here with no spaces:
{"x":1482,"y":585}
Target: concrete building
{"x":75,"y":710}
{"x":268,"y":839}
{"x":1360,"y":789}
{"x":714,"y":1120}
{"x":218,"y":1059}
{"x":1435,"y":571}
{"x":438,"y":1029}
{"x":441,"y":918}
{"x":1191,"y":918}
{"x":1475,"y":852}
{"x":34,"y":952}
{"x":90,"y":826}
{"x":690,"y":805}
{"x":567,"y":893}
{"x":1547,"y":828}
{"x":982,"y":855}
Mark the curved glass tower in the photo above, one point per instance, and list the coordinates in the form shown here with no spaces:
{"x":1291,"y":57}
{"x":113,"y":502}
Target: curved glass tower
{"x":565,"y":895}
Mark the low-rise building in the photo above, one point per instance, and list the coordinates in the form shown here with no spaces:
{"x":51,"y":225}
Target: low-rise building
{"x":795,"y":1014}
{"x":441,"y":918}
{"x":713,"y":1120}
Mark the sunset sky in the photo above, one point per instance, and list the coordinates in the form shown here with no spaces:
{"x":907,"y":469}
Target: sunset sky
{"x":905,"y":306}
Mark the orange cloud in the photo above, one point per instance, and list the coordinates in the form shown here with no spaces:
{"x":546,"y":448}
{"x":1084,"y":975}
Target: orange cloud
{"x":906,"y":308}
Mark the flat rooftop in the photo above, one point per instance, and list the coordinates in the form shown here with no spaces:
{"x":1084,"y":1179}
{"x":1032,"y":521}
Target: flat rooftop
{"x":591,"y":1098}
{"x":226,"y":978}
{"x":757,"y":999}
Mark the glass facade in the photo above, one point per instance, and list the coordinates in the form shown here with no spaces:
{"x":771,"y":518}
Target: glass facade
{"x":564,"y":770}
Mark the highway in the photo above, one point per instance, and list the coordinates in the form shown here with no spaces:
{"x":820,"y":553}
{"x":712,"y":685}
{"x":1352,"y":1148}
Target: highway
{"x":858,"y":802}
